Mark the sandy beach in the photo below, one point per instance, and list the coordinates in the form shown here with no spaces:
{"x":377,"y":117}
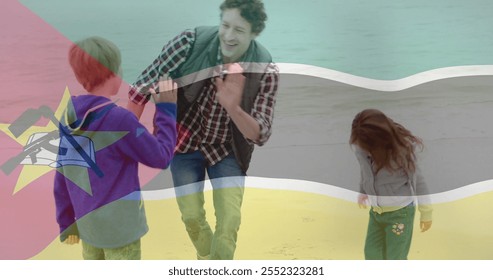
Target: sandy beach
{"x":285,"y":225}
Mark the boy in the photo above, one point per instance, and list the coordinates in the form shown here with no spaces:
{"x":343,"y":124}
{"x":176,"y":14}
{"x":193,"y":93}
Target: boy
{"x":97,"y":186}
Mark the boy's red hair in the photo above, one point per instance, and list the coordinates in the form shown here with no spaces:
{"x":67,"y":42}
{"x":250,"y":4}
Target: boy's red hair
{"x":94,"y":60}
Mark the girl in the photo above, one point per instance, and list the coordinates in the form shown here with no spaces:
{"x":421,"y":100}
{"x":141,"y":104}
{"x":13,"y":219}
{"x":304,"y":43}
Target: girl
{"x":390,"y":181}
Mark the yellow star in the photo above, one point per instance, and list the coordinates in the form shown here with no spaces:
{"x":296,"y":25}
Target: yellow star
{"x":77,"y":174}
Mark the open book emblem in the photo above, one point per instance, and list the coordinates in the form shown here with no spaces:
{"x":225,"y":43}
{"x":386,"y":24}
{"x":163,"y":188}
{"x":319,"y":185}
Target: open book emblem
{"x":59,"y":151}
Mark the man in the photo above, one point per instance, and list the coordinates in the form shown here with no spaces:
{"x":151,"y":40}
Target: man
{"x":227,"y":92}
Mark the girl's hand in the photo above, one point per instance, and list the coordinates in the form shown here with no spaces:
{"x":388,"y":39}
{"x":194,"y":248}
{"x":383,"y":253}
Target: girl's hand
{"x":362,"y":200}
{"x":71,"y":240}
{"x":425,"y":226}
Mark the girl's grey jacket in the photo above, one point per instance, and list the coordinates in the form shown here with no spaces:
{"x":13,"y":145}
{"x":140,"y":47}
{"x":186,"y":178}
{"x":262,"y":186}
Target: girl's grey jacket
{"x":391,"y":190}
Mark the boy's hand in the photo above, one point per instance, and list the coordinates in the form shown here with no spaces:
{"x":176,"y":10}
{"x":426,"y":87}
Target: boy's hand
{"x":71,"y":240}
{"x":167,"y":91}
{"x":362,"y":199}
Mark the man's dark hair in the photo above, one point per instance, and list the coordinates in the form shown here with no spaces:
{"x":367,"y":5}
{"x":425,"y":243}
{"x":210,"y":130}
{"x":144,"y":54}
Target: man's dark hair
{"x":251,"y":10}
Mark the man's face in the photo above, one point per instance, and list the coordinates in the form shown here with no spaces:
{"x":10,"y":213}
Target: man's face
{"x":235,"y":35}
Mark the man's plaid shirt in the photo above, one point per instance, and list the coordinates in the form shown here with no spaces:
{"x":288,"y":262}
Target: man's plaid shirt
{"x":205,"y":126}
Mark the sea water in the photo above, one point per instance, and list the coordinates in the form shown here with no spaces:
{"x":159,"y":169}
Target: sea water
{"x":376,"y":39}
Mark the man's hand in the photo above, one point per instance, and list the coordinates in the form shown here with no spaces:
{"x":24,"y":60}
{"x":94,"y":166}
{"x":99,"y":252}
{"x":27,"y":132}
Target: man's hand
{"x":229,"y":94}
{"x":167,"y":91}
{"x":362,"y":200}
{"x":230,"y":90}
{"x":71,"y":240}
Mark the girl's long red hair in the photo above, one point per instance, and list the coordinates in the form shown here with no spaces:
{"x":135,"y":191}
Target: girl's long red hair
{"x":390,"y":145}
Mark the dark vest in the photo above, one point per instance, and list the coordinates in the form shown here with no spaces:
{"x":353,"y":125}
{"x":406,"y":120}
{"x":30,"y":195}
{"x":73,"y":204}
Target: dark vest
{"x":194,"y":74}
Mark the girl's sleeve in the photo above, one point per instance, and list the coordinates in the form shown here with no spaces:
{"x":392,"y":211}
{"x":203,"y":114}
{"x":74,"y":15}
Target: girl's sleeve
{"x":366,"y":173}
{"x":361,"y":189}
{"x":423,"y":195}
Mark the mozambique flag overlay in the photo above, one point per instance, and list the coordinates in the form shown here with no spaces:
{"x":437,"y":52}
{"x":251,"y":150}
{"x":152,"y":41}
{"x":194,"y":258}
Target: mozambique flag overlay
{"x":425,"y":66}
